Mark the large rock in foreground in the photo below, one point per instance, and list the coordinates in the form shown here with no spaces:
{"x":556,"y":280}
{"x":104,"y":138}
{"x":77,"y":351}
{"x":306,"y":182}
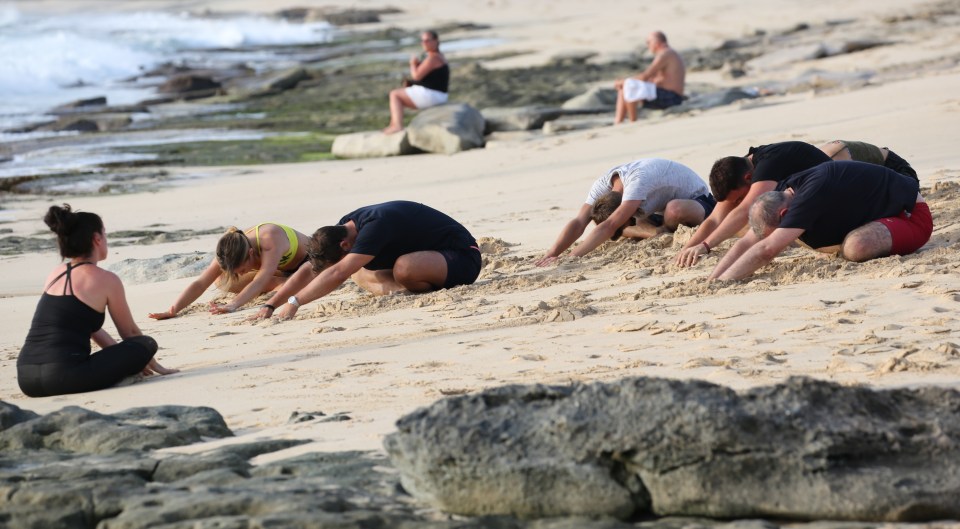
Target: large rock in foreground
{"x":374,"y":144}
{"x":447,"y":129}
{"x":801,"y":450}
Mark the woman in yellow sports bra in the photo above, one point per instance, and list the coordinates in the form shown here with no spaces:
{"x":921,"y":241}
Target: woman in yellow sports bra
{"x":250,"y":263}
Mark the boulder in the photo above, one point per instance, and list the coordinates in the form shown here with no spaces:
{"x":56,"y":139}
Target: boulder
{"x":77,"y":430}
{"x":11,"y":415}
{"x":106,"y":122}
{"x":801,"y":450}
{"x":447,"y":129}
{"x":372,"y":144}
{"x":597,"y":99}
{"x":500,"y":119}
{"x":713,"y":99}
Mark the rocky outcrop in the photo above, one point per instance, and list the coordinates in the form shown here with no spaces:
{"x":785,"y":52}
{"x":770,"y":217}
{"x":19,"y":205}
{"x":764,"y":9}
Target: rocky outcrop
{"x":372,"y":144}
{"x":270,"y":84}
{"x":802,"y":450}
{"x":447,"y":129}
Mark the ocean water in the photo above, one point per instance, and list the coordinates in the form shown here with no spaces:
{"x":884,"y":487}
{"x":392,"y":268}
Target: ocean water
{"x":49,"y":60}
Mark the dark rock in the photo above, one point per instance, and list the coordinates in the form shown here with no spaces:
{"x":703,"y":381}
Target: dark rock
{"x":105,"y":122}
{"x":803,"y":449}
{"x":712,"y":99}
{"x":76,"y":430}
{"x":447,"y":129}
{"x":274,"y":83}
{"x":82,"y":104}
{"x":76,"y":125}
{"x":11,"y":415}
{"x":188,"y":83}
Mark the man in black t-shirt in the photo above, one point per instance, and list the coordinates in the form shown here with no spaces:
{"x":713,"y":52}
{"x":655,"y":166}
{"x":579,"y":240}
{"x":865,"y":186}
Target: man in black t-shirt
{"x":736,"y":181}
{"x":389,"y":247}
{"x":865,"y":210}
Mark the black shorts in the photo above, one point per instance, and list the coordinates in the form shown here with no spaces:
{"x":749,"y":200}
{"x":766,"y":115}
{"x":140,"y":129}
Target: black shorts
{"x":463,"y":266}
{"x":899,"y":165}
{"x":707,"y":201}
{"x":665,"y":99}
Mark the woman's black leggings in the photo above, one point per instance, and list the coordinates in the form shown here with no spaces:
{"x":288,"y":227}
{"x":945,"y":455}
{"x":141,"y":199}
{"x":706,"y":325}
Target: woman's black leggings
{"x":100,"y":370}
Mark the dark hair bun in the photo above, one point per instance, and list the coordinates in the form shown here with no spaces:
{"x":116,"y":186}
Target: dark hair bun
{"x":60,"y":219}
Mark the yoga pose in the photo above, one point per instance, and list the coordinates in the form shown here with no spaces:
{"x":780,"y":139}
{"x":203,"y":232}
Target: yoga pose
{"x":636,"y":200}
{"x":389,"y":247}
{"x":250,"y":262}
{"x":428,"y":83}
{"x":737,"y":181}
{"x":56,"y":358}
{"x":864,"y":211}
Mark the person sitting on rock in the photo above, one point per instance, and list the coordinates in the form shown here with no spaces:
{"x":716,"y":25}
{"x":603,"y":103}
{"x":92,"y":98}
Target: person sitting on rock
{"x":56,"y":358}
{"x":387,"y":248}
{"x":249,"y":263}
{"x":428,"y":83}
{"x":638,"y":200}
{"x":737,"y":181}
{"x":659,"y":86}
{"x":865,"y":211}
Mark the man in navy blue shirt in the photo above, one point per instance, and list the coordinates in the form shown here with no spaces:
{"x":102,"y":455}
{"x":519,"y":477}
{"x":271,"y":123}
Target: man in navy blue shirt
{"x":386,"y":248}
{"x":863,"y":210}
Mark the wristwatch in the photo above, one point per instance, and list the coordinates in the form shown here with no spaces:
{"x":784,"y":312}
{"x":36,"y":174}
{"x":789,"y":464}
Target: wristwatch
{"x":293,"y":301}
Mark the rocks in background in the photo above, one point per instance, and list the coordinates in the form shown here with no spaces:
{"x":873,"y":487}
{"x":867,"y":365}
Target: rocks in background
{"x":447,"y":129}
{"x":499,"y":119}
{"x":170,"y":266}
{"x":372,"y":144}
{"x":180,"y":84}
{"x":802,"y":450}
{"x":598,"y":99}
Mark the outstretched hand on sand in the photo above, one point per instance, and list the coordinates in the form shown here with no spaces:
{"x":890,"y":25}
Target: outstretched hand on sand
{"x":286,"y":312}
{"x":547,"y":260}
{"x":216,"y":308}
{"x":163,"y":315}
{"x":154,"y":367}
{"x":262,"y":314}
{"x":690,"y":256}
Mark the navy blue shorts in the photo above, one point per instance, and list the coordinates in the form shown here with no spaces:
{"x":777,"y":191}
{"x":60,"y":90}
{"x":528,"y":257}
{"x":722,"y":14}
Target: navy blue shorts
{"x":463,"y":266}
{"x":707,"y":201}
{"x":665,"y":99}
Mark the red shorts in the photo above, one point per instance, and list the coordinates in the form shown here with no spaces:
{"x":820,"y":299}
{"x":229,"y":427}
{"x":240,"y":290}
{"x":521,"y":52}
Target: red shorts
{"x":909,"y":231}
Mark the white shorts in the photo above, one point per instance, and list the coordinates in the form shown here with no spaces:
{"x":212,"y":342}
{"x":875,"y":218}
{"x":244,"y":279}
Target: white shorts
{"x":425,"y":97}
{"x":636,"y":90}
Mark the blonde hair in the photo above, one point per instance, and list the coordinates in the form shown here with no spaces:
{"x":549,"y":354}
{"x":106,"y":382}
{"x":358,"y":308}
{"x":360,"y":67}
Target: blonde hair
{"x":232,"y":251}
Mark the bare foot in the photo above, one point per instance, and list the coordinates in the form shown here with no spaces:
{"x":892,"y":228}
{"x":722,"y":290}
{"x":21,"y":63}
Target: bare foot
{"x":392,"y":129}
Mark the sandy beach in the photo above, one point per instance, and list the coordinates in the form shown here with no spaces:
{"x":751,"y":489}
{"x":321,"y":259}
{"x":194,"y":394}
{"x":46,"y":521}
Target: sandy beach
{"x":624,"y":310}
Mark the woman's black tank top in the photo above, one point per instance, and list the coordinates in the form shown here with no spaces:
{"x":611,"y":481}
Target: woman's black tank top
{"x":61,"y":327}
{"x":438,"y":79}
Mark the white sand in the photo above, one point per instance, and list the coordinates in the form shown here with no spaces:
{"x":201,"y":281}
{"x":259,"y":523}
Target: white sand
{"x":889,"y":322}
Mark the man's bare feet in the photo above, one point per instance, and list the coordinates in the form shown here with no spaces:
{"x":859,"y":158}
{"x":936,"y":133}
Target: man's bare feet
{"x":392,"y":130}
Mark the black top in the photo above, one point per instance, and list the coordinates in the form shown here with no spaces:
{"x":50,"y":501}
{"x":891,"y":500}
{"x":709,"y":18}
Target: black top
{"x":61,"y":327}
{"x":777,"y":161}
{"x":392,"y":229}
{"x":835,"y":198}
{"x":438,"y":79}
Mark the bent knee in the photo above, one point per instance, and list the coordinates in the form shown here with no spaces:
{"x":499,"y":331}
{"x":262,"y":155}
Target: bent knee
{"x":146,"y":342}
{"x":868,"y":242}
{"x":688,"y":212}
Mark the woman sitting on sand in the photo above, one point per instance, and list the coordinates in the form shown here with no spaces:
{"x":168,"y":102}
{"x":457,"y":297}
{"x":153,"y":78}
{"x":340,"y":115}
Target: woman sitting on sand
{"x":429,"y":80}
{"x":56,"y":358}
{"x":250,"y":263}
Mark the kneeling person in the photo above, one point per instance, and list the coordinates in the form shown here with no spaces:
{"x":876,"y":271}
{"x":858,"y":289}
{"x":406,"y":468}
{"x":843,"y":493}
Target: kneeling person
{"x":386,"y":248}
{"x":636,"y":200}
{"x":868,"y":211}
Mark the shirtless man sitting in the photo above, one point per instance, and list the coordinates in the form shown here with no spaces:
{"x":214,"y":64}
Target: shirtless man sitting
{"x":659,"y":86}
